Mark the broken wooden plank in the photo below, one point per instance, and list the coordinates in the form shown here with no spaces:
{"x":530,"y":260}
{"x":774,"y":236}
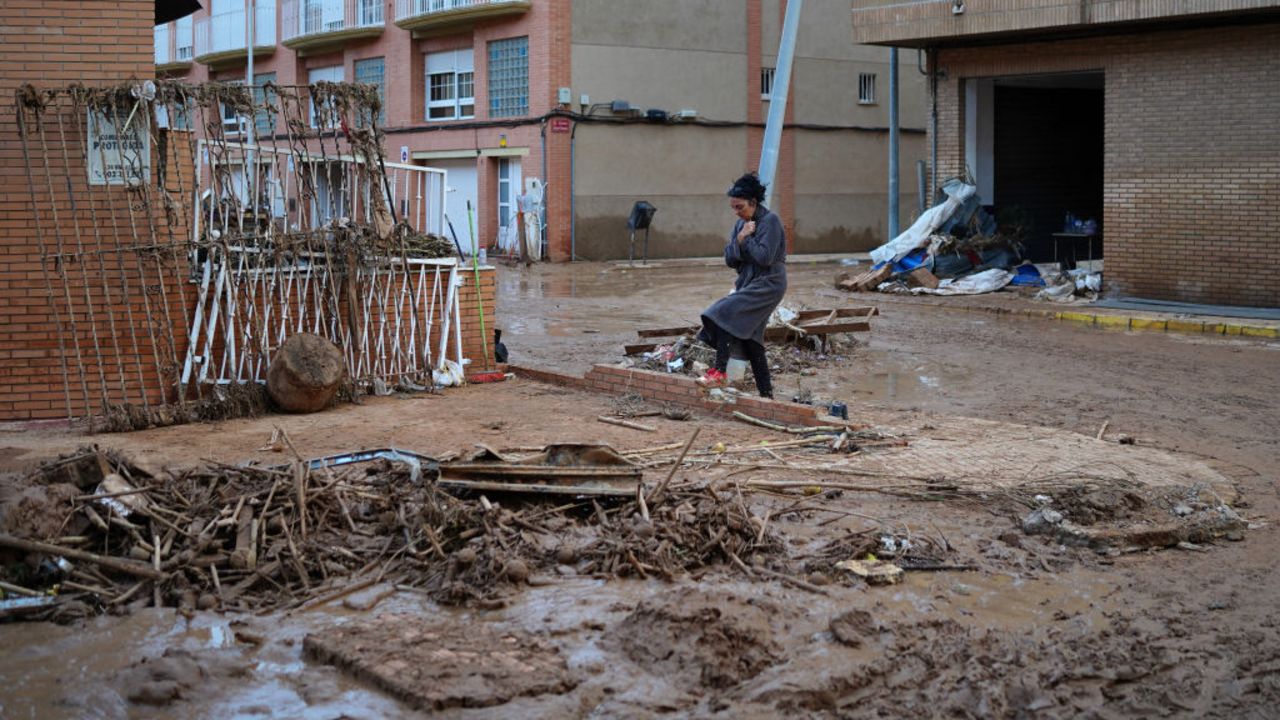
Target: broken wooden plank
{"x":669,"y":332}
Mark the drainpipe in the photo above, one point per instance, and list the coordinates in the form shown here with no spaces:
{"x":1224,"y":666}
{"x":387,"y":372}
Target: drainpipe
{"x":933,"y":120}
{"x":542,"y":231}
{"x":778,"y":98}
{"x":893,"y":143}
{"x":573,"y":216}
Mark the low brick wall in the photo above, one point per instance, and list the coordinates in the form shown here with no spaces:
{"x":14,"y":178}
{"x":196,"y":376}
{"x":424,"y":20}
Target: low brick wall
{"x":682,"y":391}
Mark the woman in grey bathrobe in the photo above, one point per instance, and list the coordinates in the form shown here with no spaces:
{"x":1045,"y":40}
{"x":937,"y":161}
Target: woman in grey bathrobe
{"x":757,"y":249}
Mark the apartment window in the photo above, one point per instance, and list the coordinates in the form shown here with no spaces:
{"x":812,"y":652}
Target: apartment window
{"x":263,"y":122}
{"x":451,"y":85}
{"x":373,"y":72}
{"x":230,"y":120}
{"x":509,"y":77}
{"x":866,"y":88}
{"x":766,"y":82}
{"x":186,"y":39}
{"x":325,"y":115}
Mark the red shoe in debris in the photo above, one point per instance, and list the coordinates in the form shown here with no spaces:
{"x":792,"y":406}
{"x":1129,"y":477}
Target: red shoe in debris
{"x":713,"y":378}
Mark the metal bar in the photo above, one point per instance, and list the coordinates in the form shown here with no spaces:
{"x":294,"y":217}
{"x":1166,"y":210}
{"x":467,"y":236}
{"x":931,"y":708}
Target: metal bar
{"x":778,"y":98}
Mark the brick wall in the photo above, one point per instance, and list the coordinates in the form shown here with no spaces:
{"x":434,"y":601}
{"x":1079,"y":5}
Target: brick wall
{"x":121,"y":317}
{"x":51,"y":45}
{"x":682,"y":391}
{"x":1192,"y":170}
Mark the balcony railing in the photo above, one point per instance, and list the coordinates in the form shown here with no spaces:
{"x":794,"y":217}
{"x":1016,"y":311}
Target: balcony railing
{"x":432,"y":14}
{"x":310,"y":23}
{"x":173,"y":46}
{"x":222,"y":37}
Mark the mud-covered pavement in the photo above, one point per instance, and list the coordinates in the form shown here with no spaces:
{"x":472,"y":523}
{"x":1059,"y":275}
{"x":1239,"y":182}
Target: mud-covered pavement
{"x":1033,"y":628}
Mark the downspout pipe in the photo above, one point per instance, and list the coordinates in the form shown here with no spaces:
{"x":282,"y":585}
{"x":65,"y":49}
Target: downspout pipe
{"x":933,"y":122}
{"x":778,"y":98}
{"x":573,"y":215}
{"x":542,"y":231}
{"x":893,"y":143}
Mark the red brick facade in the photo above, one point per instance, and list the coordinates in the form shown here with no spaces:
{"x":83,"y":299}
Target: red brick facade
{"x":53,"y":46}
{"x":1192,"y":153}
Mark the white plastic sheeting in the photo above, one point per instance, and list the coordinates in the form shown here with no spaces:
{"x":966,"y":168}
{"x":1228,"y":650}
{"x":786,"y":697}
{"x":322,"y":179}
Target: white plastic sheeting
{"x":927,"y":224}
{"x":975,"y":284}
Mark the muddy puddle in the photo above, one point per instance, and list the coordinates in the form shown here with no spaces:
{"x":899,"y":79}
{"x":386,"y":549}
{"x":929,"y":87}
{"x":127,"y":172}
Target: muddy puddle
{"x":630,"y":647}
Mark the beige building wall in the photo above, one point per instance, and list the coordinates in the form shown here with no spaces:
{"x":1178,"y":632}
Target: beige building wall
{"x":696,"y":54}
{"x":682,"y":171}
{"x":841,"y":201}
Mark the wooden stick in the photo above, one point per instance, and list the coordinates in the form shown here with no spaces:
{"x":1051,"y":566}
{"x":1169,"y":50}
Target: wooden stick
{"x":797,"y":582}
{"x":125,"y":566}
{"x":18,"y":589}
{"x":155,"y":563}
{"x":662,"y":487}
{"x":135,"y":491}
{"x":1102,"y":430}
{"x":653,"y":450}
{"x":625,"y":423}
{"x":644,"y":507}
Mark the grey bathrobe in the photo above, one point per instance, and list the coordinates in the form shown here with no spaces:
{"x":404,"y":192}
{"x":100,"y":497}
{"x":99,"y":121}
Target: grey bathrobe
{"x":761,"y":262}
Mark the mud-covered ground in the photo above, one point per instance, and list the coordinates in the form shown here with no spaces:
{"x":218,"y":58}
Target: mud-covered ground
{"x":1033,"y":628}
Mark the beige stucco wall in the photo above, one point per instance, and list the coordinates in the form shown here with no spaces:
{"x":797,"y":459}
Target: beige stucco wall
{"x":841,"y":200}
{"x":674,"y":54}
{"x":665,"y":54}
{"x":661,"y":78}
{"x":685,"y":179}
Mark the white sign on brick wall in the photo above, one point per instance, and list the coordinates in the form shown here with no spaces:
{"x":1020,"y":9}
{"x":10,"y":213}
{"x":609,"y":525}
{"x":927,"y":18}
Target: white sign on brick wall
{"x":118,"y":158}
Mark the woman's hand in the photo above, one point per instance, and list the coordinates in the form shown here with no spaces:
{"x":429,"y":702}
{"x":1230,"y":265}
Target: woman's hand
{"x":748,"y":228}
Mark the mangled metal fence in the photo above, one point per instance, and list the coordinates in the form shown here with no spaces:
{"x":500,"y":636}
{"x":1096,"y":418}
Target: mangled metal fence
{"x":185,"y":231}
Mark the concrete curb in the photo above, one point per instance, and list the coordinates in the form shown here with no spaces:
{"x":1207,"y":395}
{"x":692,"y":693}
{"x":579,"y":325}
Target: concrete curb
{"x":1114,"y":321}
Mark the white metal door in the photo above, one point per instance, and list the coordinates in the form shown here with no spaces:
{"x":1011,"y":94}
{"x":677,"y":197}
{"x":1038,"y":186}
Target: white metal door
{"x":460,"y":188}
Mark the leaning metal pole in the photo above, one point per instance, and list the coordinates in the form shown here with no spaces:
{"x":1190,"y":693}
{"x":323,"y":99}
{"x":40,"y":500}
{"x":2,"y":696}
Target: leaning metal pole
{"x":778,"y":98}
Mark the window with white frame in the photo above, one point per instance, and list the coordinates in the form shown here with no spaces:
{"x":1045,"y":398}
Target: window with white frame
{"x":186,"y":40}
{"x":766,"y":82}
{"x":325,"y":115}
{"x":373,"y":72}
{"x":450,"y":78}
{"x":866,"y":88}
{"x":230,"y":118}
{"x":509,"y":77}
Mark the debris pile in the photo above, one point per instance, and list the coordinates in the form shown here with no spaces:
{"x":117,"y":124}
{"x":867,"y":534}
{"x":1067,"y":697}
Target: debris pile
{"x":257,"y":539}
{"x":957,"y":248}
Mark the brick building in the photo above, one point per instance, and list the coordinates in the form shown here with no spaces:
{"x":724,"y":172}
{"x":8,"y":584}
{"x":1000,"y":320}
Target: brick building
{"x":100,"y":291}
{"x":1157,"y":119}
{"x":496,"y":91}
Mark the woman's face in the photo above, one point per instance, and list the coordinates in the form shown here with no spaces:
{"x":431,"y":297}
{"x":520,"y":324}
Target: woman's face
{"x":742,"y":208}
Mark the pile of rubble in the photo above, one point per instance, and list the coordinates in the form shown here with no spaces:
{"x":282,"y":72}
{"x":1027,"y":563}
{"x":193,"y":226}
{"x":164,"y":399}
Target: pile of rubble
{"x":956,"y":248}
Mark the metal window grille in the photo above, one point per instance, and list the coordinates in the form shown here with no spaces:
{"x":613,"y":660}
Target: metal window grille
{"x":373,"y":72}
{"x":509,"y":77}
{"x":766,"y":82}
{"x":263,"y":123}
{"x":866,"y":88}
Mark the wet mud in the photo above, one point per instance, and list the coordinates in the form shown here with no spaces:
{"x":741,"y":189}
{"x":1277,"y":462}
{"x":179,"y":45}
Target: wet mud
{"x":990,"y":620}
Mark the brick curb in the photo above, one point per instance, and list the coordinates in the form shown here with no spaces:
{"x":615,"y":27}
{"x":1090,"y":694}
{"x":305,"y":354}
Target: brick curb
{"x":682,"y":391}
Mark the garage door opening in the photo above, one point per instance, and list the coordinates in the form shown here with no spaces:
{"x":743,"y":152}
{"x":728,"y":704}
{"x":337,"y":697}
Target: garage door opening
{"x":1035,"y":146}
